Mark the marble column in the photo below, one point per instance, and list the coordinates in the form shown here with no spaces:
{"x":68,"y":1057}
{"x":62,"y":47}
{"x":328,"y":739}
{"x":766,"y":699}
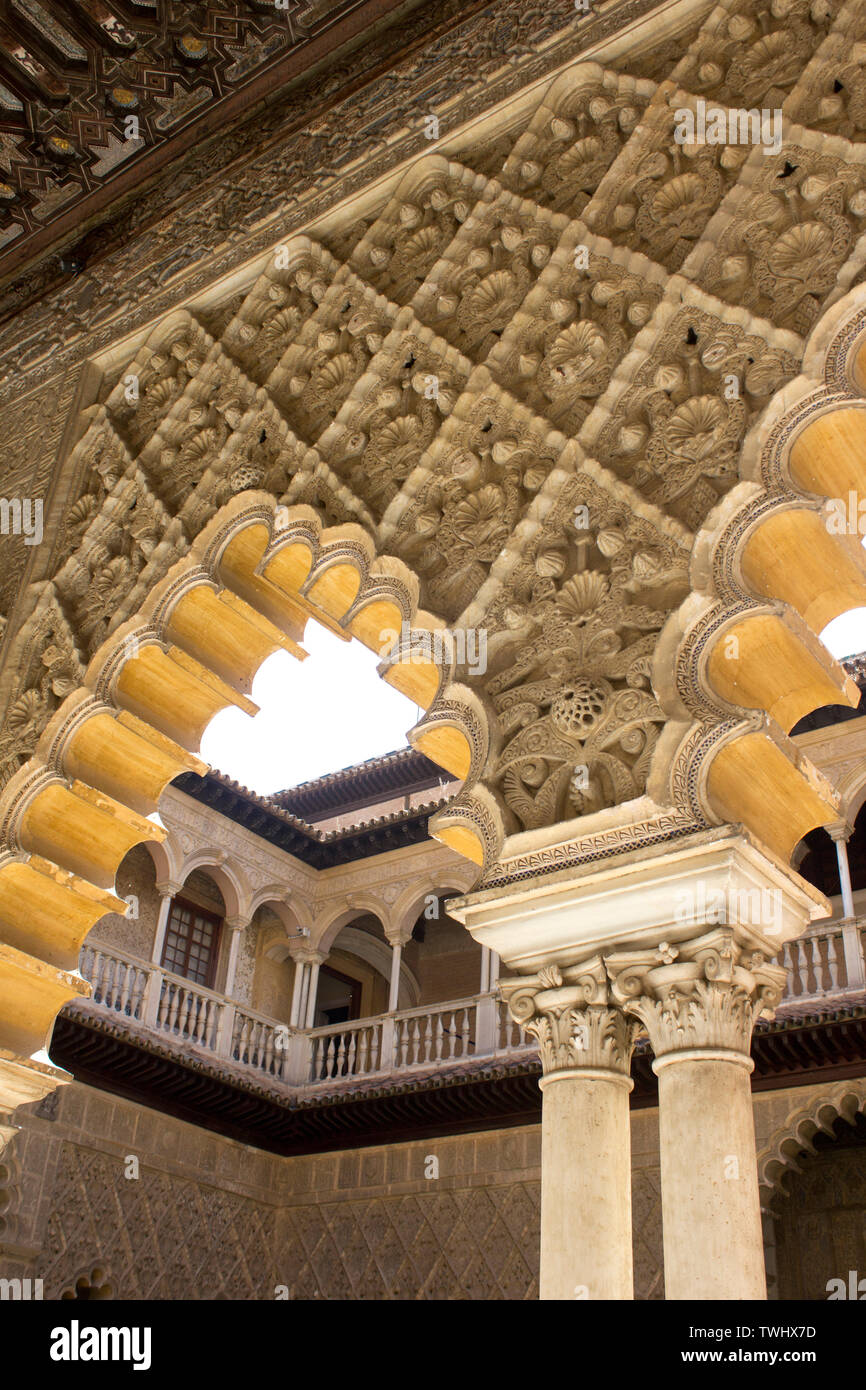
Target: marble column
{"x":294,"y":1008}
{"x":840,"y":835}
{"x":167,"y":892}
{"x":657,"y":927}
{"x":237,"y":926}
{"x":852,"y":944}
{"x":312,"y":988}
{"x":698,"y":1001}
{"x":394,"y":985}
{"x":585,"y":1046}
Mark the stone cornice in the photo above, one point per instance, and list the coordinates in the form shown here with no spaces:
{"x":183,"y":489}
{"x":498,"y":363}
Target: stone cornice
{"x":638,"y":898}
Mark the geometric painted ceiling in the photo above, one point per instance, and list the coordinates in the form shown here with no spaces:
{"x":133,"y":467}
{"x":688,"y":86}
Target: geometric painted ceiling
{"x":98,"y":96}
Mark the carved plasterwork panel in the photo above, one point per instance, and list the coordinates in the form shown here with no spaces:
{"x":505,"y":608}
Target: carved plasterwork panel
{"x":574,"y":328}
{"x":751,"y":55}
{"x":469,"y":491}
{"x":477,"y":1243}
{"x":792,"y":224}
{"x":830,"y":94}
{"x":165,"y":1236}
{"x":575,"y":136}
{"x":673,"y":426}
{"x":575,"y":625}
{"x":50,"y":666}
{"x":418,"y":224}
{"x":473,"y":291}
{"x":393,"y":415}
{"x":659,"y":195}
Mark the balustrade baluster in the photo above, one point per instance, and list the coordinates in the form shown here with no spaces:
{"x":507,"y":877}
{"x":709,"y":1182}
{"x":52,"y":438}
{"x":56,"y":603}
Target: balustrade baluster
{"x":351,"y":1050}
{"x":200,"y":1008}
{"x":788,"y":960}
{"x":465,"y":1031}
{"x":818,"y":966}
{"x":802,"y":967}
{"x":165,"y":997}
{"x":439,"y":1037}
{"x":174,"y":993}
{"x":833,"y":961}
{"x":186,"y":1013}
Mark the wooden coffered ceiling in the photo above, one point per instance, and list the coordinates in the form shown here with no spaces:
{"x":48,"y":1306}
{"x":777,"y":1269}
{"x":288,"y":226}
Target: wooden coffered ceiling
{"x":73,"y":71}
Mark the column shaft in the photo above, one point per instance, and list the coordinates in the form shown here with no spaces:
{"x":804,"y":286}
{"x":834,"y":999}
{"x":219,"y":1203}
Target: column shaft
{"x":844,"y":877}
{"x":586,"y":1241}
{"x":711,"y":1215}
{"x":165,"y":901}
{"x":394,"y":987}
{"x":311,"y":994}
{"x":304,"y":991}
{"x":296,"y":994}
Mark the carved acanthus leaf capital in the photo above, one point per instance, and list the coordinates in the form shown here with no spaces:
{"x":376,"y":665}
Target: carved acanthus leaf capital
{"x":568,"y":1010}
{"x":700,"y":994}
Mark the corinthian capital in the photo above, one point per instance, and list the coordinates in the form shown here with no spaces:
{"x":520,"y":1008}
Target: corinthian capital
{"x":568,"y":1010}
{"x":701,"y":994}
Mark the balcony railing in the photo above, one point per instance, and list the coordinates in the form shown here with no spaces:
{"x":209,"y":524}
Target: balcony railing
{"x":824,"y":968}
{"x":199,"y":1019}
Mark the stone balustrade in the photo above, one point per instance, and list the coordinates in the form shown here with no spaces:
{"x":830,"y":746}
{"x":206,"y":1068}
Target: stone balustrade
{"x":824,"y":966}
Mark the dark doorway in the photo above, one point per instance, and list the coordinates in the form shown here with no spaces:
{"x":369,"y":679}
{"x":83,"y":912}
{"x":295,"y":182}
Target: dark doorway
{"x":338,"y":999}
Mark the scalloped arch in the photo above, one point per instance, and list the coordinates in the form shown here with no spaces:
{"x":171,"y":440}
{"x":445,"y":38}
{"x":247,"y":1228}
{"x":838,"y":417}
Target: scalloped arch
{"x":253,"y":577}
{"x":741,"y":660}
{"x":790,"y":1141}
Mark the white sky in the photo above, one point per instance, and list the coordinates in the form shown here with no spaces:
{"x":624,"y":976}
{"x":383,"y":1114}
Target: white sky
{"x":315,"y":716}
{"x":332,"y":711}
